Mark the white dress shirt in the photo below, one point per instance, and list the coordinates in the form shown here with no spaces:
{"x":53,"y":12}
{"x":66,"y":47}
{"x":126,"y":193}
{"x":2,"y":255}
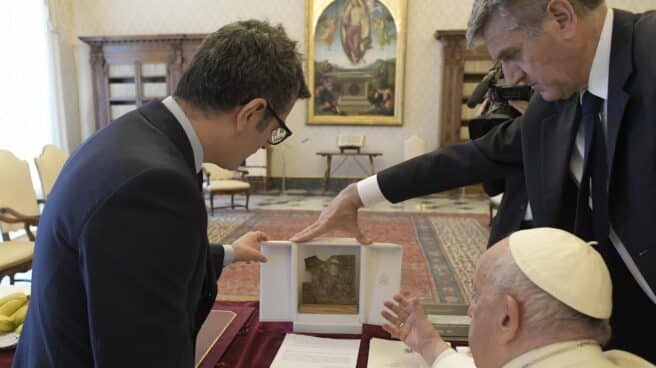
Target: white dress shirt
{"x":370,"y":193}
{"x":197,"y":149}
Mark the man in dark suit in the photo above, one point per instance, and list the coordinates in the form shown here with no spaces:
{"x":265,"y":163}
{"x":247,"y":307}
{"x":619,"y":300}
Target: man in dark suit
{"x":513,"y":212}
{"x":123,"y":274}
{"x":592,"y":121}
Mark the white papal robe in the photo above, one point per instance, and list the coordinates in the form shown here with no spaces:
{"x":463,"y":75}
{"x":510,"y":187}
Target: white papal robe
{"x":580,"y":354}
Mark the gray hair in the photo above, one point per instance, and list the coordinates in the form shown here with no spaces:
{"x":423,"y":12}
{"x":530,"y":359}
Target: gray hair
{"x":541,"y":313}
{"x":527,"y":14}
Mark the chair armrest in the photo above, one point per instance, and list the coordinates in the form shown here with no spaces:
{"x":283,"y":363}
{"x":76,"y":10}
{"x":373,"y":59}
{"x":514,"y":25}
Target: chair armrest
{"x":495,"y":201}
{"x":12,"y":216}
{"x":206,"y":174}
{"x":241,"y":173}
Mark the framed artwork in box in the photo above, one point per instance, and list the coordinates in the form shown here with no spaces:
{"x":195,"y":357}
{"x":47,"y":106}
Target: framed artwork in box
{"x":329,"y":285}
{"x":356,"y":58}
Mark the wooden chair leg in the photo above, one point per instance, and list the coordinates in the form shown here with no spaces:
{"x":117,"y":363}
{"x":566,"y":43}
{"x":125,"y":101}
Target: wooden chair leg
{"x":232,"y":201}
{"x":212,"y":203}
{"x":11,"y":279}
{"x":248,"y":194}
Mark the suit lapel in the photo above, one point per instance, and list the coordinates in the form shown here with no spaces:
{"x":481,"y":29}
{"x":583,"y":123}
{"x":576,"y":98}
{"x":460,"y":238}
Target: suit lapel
{"x":621,"y":56}
{"x":162,"y":119}
{"x":558,"y":134}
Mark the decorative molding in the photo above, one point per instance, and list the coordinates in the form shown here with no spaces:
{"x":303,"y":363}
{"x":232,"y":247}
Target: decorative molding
{"x":142,"y":39}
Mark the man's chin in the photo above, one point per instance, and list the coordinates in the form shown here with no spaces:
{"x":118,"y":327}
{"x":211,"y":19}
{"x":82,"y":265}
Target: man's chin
{"x":546,"y":94}
{"x":551,"y":95}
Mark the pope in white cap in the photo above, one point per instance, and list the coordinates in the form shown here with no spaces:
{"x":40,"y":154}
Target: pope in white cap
{"x":543,"y":299}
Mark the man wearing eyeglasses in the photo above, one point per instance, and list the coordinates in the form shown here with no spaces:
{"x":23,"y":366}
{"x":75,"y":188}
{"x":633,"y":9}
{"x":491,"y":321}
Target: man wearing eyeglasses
{"x":123,"y":275}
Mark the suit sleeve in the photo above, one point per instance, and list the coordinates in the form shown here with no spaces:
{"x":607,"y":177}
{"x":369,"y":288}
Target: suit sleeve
{"x":493,"y":156}
{"x":217,"y":254}
{"x":140,"y":256}
{"x":494,"y":187}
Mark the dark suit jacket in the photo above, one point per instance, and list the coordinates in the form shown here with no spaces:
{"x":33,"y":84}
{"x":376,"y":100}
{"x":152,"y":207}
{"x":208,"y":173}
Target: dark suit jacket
{"x":539,"y":144}
{"x":123,"y":275}
{"x":511,"y":211}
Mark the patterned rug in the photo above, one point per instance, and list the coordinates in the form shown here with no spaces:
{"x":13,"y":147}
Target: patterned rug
{"x":439,"y":257}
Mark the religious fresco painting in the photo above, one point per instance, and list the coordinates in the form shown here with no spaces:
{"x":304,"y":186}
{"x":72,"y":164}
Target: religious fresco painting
{"x":355,"y":61}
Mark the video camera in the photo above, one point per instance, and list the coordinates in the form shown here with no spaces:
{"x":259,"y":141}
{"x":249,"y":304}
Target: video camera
{"x":497,"y":112}
{"x":492,"y":86}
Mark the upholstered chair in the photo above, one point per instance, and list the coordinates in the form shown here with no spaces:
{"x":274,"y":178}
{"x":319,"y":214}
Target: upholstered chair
{"x":222,"y":181}
{"x":18,"y":211}
{"x":48,"y":165}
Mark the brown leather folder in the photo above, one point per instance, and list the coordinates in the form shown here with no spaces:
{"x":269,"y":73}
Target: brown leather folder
{"x":215,"y":325}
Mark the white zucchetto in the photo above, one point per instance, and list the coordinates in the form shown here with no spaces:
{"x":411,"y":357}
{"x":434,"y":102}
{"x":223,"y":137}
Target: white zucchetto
{"x":566,"y":267}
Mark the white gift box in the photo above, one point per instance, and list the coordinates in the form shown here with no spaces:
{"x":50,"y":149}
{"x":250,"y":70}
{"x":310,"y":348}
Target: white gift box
{"x":377,"y":275}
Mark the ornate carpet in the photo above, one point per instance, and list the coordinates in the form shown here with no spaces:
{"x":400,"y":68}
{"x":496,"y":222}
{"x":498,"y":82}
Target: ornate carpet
{"x":439,"y":256}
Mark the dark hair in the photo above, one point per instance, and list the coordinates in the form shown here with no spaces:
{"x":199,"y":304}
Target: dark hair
{"x":242,"y":61}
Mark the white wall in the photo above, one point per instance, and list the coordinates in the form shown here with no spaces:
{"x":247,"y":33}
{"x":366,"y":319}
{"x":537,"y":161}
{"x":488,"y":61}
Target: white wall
{"x":423,"y":64}
{"x":61,"y":15}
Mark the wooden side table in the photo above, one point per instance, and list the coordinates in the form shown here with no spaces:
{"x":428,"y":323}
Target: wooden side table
{"x":346,"y":154}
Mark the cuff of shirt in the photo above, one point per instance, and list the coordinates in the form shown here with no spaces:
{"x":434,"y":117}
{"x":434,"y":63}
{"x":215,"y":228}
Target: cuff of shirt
{"x":228,"y":254}
{"x":369,"y":191}
{"x":452,"y":359}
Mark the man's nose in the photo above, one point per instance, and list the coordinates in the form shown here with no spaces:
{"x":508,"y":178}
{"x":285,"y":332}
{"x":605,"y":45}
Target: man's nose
{"x":512,"y":74}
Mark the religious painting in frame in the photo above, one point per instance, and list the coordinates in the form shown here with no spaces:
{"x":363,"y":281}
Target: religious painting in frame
{"x":356,"y":57}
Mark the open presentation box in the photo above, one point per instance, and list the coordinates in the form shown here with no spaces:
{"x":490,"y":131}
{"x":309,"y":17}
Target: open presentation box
{"x":298,"y":279}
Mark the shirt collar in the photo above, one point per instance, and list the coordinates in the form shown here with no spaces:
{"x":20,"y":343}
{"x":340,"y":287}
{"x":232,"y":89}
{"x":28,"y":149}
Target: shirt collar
{"x":180,"y":116}
{"x":600,"y":71}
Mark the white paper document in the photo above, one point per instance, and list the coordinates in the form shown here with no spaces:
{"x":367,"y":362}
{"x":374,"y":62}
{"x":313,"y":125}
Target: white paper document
{"x":300,"y":351}
{"x":392,"y":354}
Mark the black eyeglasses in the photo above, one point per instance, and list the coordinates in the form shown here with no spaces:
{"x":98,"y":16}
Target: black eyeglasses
{"x":281,"y":133}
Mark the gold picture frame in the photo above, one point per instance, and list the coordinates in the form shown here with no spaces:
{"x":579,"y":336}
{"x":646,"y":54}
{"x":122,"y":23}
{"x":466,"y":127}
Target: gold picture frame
{"x":356,"y":61}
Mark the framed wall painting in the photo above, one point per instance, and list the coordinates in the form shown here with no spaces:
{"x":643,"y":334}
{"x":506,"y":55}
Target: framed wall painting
{"x":356,"y":58}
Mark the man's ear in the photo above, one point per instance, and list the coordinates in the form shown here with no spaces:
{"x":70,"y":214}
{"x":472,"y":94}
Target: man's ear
{"x":509,"y":321}
{"x":564,"y":15}
{"x":251,"y":113}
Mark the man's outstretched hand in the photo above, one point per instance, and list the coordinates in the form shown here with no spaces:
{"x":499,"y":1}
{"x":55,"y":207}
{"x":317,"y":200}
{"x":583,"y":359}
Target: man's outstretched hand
{"x":247,"y":247}
{"x":341,"y":214}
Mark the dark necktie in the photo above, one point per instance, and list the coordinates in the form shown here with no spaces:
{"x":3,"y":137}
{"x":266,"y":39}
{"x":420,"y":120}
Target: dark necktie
{"x":593,"y":224}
